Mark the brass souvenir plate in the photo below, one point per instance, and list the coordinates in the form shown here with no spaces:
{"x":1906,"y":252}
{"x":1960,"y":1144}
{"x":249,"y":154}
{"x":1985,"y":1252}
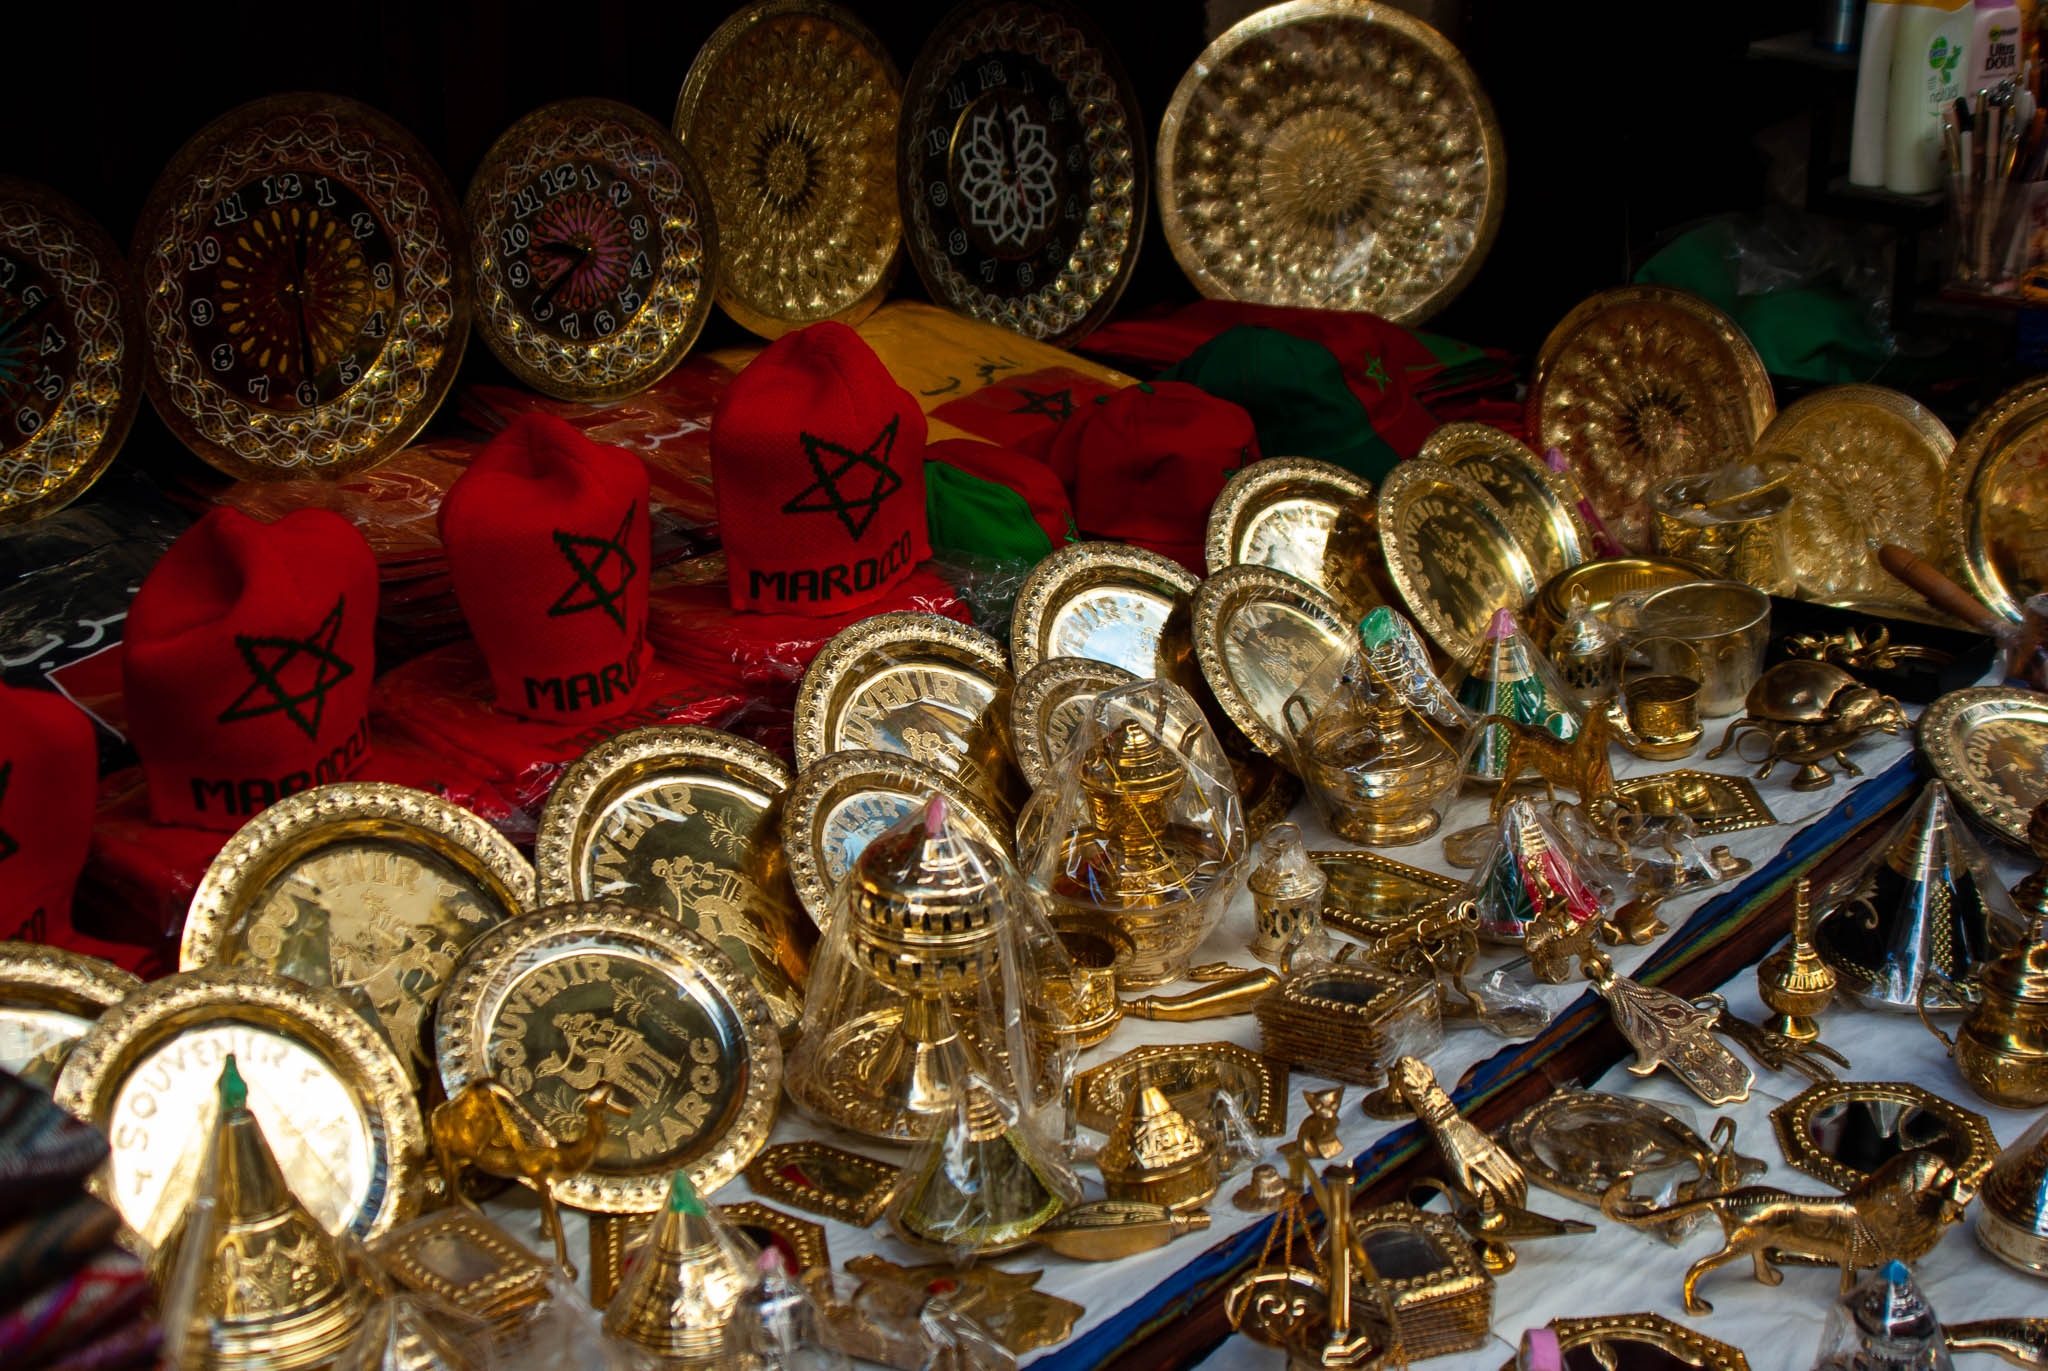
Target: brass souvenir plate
{"x":849,"y":799}
{"x":1451,"y":553}
{"x":1278,"y":513}
{"x":612,"y":1236}
{"x":1640,"y":384}
{"x":791,"y":109}
{"x":1263,"y":637}
{"x":1715,"y":803}
{"x":1989,"y":745}
{"x":1542,"y":505}
{"x":1370,"y":896}
{"x":1109,"y":602}
{"x":1049,"y":707}
{"x":1649,"y":1342}
{"x":1021,"y":169}
{"x":49,"y":997}
{"x":556,"y":1002}
{"x":1841,"y":1131}
{"x":1864,"y":462}
{"x":1994,"y":511}
{"x":685,"y":822}
{"x":332,"y":1096}
{"x":1188,"y":1073}
{"x":1580,"y":1142}
{"x":372,"y":889}
{"x":1332,"y":155}
{"x":824,"y":1179}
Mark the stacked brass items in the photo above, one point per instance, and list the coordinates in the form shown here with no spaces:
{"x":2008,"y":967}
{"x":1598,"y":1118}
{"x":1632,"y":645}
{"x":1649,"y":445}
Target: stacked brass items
{"x":2012,"y":1223}
{"x":1346,"y":1021}
{"x":2002,"y":1047}
{"x":1793,"y":982}
{"x":1156,"y":1155}
{"x":1807,"y":713}
{"x":1287,"y":894}
{"x":678,"y":1298}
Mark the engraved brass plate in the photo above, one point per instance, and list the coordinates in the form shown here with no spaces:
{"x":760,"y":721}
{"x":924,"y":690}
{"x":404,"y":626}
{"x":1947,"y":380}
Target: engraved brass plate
{"x":1049,"y":707}
{"x":1451,"y":553}
{"x":1639,"y":1342}
{"x":824,"y":1179}
{"x":1715,"y":803}
{"x":1994,"y":510}
{"x":1640,"y":384}
{"x":332,"y":1096}
{"x":1370,"y":896}
{"x":372,"y":889}
{"x":1110,"y":602}
{"x":49,"y":997}
{"x":1842,"y":1131}
{"x":1278,"y":513}
{"x":1189,"y":1073}
{"x":613,"y":1236}
{"x":685,"y":822}
{"x":1989,"y":745}
{"x":1542,"y":505}
{"x":556,"y":1002}
{"x":1580,"y":1142}
{"x":1263,"y":638}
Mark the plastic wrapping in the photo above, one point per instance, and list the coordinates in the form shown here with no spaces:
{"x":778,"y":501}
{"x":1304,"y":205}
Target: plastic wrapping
{"x":778,"y":1325}
{"x":1884,"y":1324}
{"x":561,"y":1332}
{"x":1531,"y":863}
{"x":1347,"y":1020}
{"x":902,"y":1326}
{"x":1731,"y":520}
{"x":1509,"y":677}
{"x":1396,"y":654}
{"x":1287,"y":893}
{"x":407,"y":1331}
{"x":1140,"y":824}
{"x":683,"y":1284}
{"x":1380,"y":768}
{"x":1586,"y":652}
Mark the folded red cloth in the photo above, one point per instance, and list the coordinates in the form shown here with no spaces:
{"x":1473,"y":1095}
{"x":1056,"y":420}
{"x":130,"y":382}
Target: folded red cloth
{"x":1023,"y":412}
{"x":48,"y":759}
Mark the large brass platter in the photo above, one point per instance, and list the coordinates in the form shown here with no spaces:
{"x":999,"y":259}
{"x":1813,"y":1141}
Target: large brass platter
{"x":1335,"y":155}
{"x":1110,"y":602}
{"x":1542,"y":505}
{"x":1187,"y":1072}
{"x":1989,"y":744}
{"x":1640,"y":384}
{"x":1263,"y":637}
{"x":1994,"y":511}
{"x":1049,"y":707}
{"x":372,"y":889}
{"x":1451,"y":553}
{"x":575,"y":995}
{"x":1841,"y":1131}
{"x":1278,"y":513}
{"x":790,"y":108}
{"x":685,"y":822}
{"x":333,"y":1097}
{"x":848,"y":799}
{"x":49,"y":997}
{"x":1863,"y":462}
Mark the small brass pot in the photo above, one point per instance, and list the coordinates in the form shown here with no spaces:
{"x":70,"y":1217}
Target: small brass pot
{"x":2002,"y":1047}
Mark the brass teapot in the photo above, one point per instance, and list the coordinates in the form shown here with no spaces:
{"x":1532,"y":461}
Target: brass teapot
{"x":1377,"y":768}
{"x":2002,"y":1047}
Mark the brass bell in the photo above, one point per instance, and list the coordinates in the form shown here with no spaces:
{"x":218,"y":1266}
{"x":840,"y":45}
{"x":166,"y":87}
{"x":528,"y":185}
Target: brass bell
{"x":677,"y":1299}
{"x":1154,"y":1153}
{"x":1287,"y":893}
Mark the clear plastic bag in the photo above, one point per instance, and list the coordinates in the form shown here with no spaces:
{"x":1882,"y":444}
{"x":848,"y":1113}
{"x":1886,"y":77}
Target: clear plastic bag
{"x":1731,"y":520}
{"x":898,"y":1324}
{"x":683,"y":1283}
{"x":408,"y":1331}
{"x":1530,"y":863}
{"x":779,"y":1327}
{"x":1381,"y":769}
{"x":1509,"y":677}
{"x":1884,"y":1324}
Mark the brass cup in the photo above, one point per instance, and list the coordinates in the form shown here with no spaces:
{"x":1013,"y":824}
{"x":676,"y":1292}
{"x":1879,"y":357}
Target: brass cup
{"x":1663,"y":709}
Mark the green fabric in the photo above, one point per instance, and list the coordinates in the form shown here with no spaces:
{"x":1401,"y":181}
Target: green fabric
{"x":1449,"y":351}
{"x":969,"y":514}
{"x":1294,"y":390}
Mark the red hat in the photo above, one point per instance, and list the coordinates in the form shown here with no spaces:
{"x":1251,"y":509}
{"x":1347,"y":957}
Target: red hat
{"x":1146,"y":463}
{"x":817,"y":459}
{"x":1039,"y":496}
{"x":547,"y":538}
{"x":248,"y":655}
{"x":49,"y":772}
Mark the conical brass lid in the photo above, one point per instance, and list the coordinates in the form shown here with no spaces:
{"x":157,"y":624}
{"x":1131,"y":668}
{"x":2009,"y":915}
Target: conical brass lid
{"x":677,"y":1300}
{"x":2014,"y":1222}
{"x":978,"y":1190}
{"x":1154,"y":1153}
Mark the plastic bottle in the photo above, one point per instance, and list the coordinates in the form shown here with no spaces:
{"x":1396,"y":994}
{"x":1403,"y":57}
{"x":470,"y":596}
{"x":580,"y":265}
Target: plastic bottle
{"x":1996,"y":43}
{"x":1929,"y":67}
{"x":1873,"y":93}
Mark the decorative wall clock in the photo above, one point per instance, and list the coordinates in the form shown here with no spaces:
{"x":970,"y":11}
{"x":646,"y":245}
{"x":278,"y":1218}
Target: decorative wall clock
{"x":594,"y":248}
{"x":304,"y":279}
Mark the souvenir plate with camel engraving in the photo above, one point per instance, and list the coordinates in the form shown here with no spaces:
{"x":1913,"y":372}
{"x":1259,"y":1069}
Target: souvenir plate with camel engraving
{"x":1278,"y":513}
{"x":1049,"y":707}
{"x":1109,"y":601}
{"x":49,"y":997}
{"x":1451,"y":553}
{"x":1265,"y":639}
{"x":1542,"y":505}
{"x":578,"y":996}
{"x":686,"y":822}
{"x":1989,"y":745}
{"x":372,"y":889}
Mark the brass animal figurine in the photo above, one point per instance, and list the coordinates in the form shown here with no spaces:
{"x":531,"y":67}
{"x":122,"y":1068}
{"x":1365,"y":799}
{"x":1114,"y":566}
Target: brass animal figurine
{"x":1580,"y":764}
{"x":1898,"y":1213}
{"x":485,"y":1126}
{"x":1809,"y":712}
{"x":1317,"y":1136}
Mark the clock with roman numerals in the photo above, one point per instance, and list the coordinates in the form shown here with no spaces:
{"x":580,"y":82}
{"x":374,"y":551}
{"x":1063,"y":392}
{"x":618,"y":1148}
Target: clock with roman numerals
{"x":304,"y":276}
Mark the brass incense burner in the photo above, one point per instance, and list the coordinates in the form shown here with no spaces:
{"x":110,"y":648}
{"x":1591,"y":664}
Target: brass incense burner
{"x":1155,"y":1154}
{"x":1793,"y":982}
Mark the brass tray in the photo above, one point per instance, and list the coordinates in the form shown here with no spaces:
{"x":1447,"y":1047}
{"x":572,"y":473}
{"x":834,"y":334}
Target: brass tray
{"x":556,"y":1002}
{"x":1278,"y":513}
{"x":612,"y":1236}
{"x":1989,"y":745}
{"x":1864,"y":462}
{"x":1640,"y":384}
{"x":1994,"y":511}
{"x":1262,"y":637}
{"x":1715,"y":803}
{"x":1451,"y":553}
{"x":1049,"y":707}
{"x":1109,"y":602}
{"x":372,"y":889}
{"x":1604,"y":580}
{"x":1542,"y":505}
{"x":1185,"y":1071}
{"x":1618,"y":1336}
{"x":824,"y":1179}
{"x":49,"y":997}
{"x":790,"y":108}
{"x":849,"y":799}
{"x":1370,"y":896}
{"x":1333,"y":155}
{"x":1877,"y":1119}
{"x":685,"y":822}
{"x":333,"y":1097}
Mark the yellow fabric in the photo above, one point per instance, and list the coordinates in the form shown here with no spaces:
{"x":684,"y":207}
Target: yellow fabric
{"x":938,"y":355}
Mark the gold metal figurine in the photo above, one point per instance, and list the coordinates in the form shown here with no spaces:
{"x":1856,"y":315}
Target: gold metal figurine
{"x":1810,"y":712}
{"x":1232,"y":992}
{"x":1156,"y":1154}
{"x":1793,"y":982}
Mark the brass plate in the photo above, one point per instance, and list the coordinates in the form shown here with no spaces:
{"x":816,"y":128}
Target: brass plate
{"x":1021,"y":169}
{"x":1640,"y":1340}
{"x":1451,"y":553}
{"x":555,"y":1002}
{"x":1989,"y":745}
{"x":1186,"y":1071}
{"x":49,"y":997}
{"x":372,"y":889}
{"x":74,"y":375}
{"x":1640,"y":384}
{"x":1604,"y":581}
{"x":1542,"y":505}
{"x":612,"y":1236}
{"x":1005,"y":1303}
{"x":332,"y":1096}
{"x":1715,"y":803}
{"x":1049,"y":707}
{"x":1109,"y":602}
{"x":849,"y":799}
{"x":791,"y":107}
{"x":1333,"y":155}
{"x":1994,"y":511}
{"x":1864,"y":462}
{"x":467,"y":1261}
{"x":1278,"y":513}
{"x":824,"y":1179}
{"x":1262,"y":636}
{"x":1874,"y":1121}
{"x":685,"y":822}
{"x":1370,"y":896}
{"x":1671,"y":1143}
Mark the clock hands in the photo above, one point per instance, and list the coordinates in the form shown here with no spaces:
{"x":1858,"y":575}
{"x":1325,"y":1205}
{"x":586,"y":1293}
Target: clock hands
{"x":560,"y":249}
{"x":299,"y":299}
